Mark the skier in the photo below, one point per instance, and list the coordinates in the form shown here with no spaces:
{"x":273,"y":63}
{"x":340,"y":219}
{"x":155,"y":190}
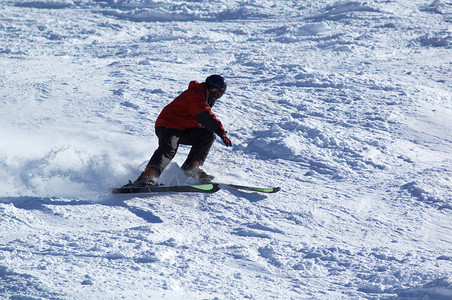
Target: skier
{"x":187,"y":120}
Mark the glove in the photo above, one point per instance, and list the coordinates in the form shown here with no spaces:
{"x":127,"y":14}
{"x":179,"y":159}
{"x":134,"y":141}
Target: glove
{"x":225,"y":139}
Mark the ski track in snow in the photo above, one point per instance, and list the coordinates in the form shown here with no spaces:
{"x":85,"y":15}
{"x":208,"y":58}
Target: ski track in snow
{"x":345,"y":105}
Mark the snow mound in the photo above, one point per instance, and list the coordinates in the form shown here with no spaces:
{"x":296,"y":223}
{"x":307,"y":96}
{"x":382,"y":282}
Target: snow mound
{"x":341,"y":11}
{"x":440,"y":289}
{"x":440,"y":39}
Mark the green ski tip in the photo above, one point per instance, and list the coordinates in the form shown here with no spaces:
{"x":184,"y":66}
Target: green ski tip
{"x":203,"y":187}
{"x":253,"y":189}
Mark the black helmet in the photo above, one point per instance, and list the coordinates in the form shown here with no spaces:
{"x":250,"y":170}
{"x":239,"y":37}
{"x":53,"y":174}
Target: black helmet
{"x":216,"y":81}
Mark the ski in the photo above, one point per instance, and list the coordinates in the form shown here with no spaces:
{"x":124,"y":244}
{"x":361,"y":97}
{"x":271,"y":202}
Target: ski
{"x":251,"y":188}
{"x":196,"y":188}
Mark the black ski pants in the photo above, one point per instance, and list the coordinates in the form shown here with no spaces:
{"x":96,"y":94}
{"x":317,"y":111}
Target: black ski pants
{"x":201,"y":139}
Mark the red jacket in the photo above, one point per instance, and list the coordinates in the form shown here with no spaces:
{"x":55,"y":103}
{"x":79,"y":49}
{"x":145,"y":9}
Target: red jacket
{"x":190,"y":110}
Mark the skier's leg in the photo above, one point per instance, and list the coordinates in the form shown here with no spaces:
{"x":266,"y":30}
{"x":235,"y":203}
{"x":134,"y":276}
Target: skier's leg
{"x":167,"y":149}
{"x":201,"y":140}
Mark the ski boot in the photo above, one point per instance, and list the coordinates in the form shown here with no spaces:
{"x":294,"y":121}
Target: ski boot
{"x":193,"y":170}
{"x":147,"y":177}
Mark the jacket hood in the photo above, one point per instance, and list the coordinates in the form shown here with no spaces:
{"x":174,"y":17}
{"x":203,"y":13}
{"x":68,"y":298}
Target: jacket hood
{"x":194,"y":84}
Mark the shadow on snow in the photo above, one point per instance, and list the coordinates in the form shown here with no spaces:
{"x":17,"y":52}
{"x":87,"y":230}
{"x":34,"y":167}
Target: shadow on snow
{"x":38,"y":203}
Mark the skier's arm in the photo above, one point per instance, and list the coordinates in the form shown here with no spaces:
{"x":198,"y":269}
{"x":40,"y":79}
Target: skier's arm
{"x":208,"y":120}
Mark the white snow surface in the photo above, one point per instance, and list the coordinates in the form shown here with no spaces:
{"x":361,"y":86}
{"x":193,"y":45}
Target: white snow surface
{"x":345,"y":105}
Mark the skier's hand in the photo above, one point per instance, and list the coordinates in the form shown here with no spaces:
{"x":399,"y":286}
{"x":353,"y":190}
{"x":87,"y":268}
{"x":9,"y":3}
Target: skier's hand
{"x":226,"y":140}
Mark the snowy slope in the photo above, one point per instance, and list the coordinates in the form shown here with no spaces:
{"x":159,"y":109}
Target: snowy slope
{"x":345,"y":105}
